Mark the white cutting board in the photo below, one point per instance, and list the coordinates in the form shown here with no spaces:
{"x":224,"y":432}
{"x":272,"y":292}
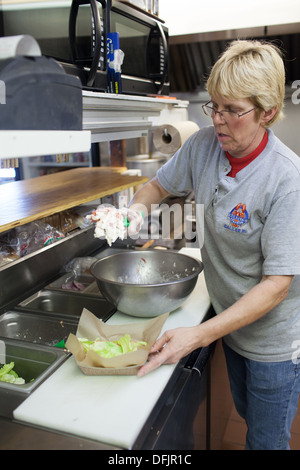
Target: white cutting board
{"x":110,"y":409}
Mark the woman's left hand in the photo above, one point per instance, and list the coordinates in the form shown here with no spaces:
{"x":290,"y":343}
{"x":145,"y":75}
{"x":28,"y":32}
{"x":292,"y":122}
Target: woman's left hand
{"x":170,"y":348}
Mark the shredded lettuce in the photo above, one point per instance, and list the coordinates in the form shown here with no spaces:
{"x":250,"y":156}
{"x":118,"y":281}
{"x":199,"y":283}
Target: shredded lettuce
{"x":111,"y":348}
{"x":7,"y":374}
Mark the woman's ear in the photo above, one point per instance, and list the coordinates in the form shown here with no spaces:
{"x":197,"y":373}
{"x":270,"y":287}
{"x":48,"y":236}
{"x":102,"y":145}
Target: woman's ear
{"x":267,"y":116}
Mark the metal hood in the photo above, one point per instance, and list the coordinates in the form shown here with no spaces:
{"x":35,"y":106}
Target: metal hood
{"x":192,"y":56}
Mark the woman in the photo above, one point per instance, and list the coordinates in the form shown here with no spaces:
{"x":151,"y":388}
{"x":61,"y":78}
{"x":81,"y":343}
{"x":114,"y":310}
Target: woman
{"x":249,"y":183}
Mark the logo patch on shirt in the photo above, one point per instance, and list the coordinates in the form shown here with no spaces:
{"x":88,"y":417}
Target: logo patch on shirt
{"x":238,"y":217}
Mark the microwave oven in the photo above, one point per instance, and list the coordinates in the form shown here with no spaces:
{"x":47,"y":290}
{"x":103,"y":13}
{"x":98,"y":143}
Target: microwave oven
{"x":74,"y":33}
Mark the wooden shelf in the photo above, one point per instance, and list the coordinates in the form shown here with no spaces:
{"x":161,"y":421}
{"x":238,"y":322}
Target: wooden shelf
{"x":33,"y":199}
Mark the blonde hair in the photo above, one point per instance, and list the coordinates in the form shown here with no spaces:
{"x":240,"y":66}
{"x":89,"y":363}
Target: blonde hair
{"x":253,"y":70}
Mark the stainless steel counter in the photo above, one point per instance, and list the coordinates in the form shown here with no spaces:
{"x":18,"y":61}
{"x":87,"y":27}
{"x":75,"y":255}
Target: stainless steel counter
{"x":31,"y":434}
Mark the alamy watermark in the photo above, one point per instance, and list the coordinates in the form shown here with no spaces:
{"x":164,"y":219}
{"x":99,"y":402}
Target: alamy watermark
{"x":176,"y":221}
{"x":169,"y":222}
{"x":296,"y":94}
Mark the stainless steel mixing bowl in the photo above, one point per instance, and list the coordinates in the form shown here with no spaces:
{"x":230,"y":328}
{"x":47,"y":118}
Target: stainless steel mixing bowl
{"x":146,"y":283}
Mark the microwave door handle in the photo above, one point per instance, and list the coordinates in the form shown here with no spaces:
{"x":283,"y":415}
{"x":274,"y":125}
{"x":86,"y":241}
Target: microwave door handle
{"x":72,"y":35}
{"x":166,"y":58}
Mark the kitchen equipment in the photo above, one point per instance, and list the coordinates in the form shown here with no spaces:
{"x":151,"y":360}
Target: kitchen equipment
{"x":75,"y":34}
{"x":146,"y":283}
{"x":152,"y":411}
{"x":81,"y":284}
{"x":69,"y":304}
{"x":148,"y":166}
{"x":40,"y":95}
{"x":168,"y":138}
{"x":162,"y":396}
{"x":36,"y":328}
{"x":34,"y":363}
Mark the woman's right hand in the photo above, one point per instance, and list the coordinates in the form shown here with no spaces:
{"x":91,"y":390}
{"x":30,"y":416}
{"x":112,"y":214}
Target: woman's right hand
{"x":136,"y":220}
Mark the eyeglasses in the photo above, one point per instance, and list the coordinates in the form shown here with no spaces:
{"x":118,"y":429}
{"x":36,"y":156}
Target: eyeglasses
{"x":225,"y":114}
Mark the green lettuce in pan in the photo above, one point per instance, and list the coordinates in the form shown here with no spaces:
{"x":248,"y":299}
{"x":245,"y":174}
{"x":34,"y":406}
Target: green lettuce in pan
{"x":112,"y":348}
{"x":7,"y":374}
{"x":100,"y":348}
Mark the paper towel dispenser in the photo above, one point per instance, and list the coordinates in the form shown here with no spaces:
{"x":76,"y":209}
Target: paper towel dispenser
{"x":168,"y":138}
{"x":39,"y":95}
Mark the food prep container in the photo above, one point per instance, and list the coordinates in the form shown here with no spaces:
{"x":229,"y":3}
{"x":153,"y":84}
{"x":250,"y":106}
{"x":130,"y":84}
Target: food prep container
{"x":34,"y":363}
{"x":146,"y":283}
{"x":67,"y":303}
{"x":48,"y":329}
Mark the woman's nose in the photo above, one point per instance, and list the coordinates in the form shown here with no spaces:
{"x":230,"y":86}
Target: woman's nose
{"x":218,"y":118}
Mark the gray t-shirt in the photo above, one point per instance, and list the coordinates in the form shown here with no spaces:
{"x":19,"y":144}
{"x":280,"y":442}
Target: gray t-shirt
{"x":251,"y":229}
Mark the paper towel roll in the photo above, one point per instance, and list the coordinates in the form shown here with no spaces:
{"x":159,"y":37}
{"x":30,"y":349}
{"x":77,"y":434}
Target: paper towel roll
{"x":11,"y":46}
{"x":168,"y":138}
